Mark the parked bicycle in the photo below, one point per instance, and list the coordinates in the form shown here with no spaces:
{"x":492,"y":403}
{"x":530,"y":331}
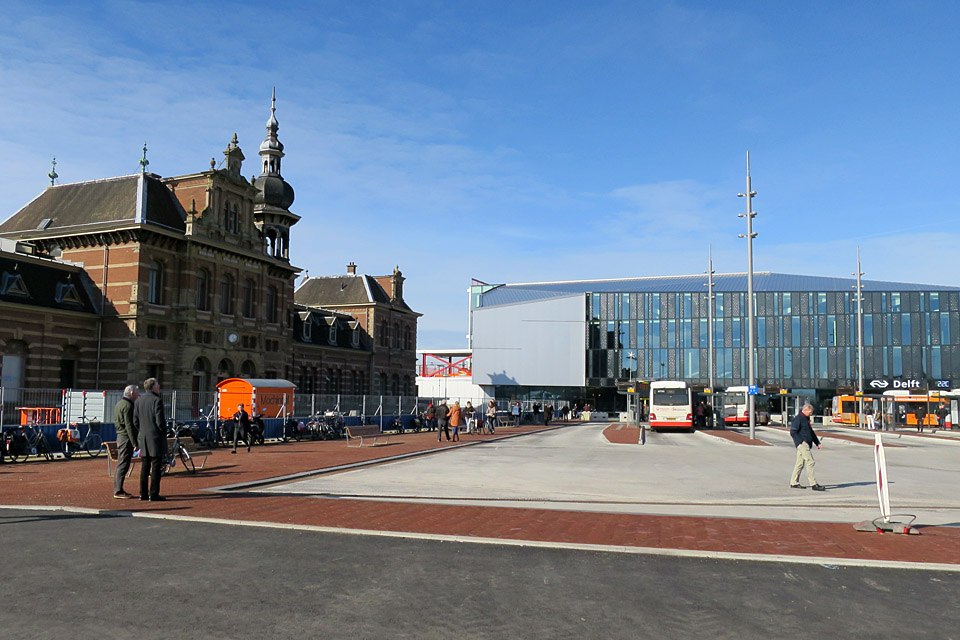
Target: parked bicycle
{"x":178,"y":450}
{"x":72,"y":443}
{"x":293,"y":429}
{"x":23,"y":441}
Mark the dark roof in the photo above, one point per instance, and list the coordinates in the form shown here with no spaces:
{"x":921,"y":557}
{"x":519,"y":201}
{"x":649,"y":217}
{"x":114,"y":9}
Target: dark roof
{"x":131,"y":199}
{"x":763,"y":281}
{"x":326,"y":291}
{"x":44,"y":283}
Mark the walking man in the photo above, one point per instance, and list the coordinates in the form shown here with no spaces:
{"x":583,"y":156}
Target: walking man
{"x":126,"y":438}
{"x":443,"y":421}
{"x":150,"y":424}
{"x":241,"y":425}
{"x":804,"y":438}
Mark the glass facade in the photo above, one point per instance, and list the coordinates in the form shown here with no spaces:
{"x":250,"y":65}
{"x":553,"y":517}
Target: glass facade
{"x":804,"y":339}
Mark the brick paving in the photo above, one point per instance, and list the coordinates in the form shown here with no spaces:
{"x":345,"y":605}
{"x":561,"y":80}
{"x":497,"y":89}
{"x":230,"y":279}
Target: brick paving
{"x":85,"y":483}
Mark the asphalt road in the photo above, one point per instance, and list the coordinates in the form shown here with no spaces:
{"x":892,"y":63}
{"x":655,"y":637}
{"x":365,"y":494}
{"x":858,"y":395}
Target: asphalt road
{"x":78,"y":576}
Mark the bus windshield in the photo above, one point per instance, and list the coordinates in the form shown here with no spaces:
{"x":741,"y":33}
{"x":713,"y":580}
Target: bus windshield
{"x":735,"y":397}
{"x":670,"y":397}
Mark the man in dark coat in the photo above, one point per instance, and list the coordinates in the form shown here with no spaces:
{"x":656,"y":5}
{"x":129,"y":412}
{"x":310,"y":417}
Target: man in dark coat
{"x":241,"y":427}
{"x":804,"y":438}
{"x":149,"y":421}
{"x":126,"y":438}
{"x":443,"y":421}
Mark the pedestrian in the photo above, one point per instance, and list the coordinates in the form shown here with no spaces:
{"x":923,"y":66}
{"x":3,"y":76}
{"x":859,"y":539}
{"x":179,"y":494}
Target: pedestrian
{"x":470,"y":417}
{"x":150,"y":424}
{"x":443,"y":421}
{"x":804,"y":438}
{"x":241,"y":427}
{"x":920,"y":413}
{"x":547,"y":415}
{"x":454,"y":416}
{"x":126,"y":438}
{"x":515,"y":412}
{"x":868,"y":416}
{"x":536,"y":412}
{"x":708,"y":414}
{"x":700,"y":415}
{"x":942,"y":414}
{"x":431,"y":417}
{"x":490,"y":423}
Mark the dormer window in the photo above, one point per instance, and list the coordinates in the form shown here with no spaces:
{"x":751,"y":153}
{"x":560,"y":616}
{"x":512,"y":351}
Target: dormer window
{"x":332,"y":333}
{"x":355,"y":337}
{"x":12,"y":285}
{"x":67,"y":294}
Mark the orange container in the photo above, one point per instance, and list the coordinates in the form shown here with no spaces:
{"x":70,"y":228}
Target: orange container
{"x":271,"y":397}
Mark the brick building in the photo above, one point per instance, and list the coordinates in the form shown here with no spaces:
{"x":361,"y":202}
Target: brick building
{"x":188,"y":279}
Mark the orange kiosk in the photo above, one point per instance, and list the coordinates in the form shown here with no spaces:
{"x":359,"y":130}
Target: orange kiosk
{"x":273,"y":398}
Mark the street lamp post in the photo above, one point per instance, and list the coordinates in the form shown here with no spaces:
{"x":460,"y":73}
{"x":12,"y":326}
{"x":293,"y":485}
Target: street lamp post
{"x":710,"y":273}
{"x":750,"y":235}
{"x":859,"y":298}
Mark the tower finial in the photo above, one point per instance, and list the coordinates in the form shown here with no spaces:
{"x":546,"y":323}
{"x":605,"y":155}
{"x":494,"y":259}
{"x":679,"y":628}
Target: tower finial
{"x":273,"y":101}
{"x":143,"y":161}
{"x":53,"y":171}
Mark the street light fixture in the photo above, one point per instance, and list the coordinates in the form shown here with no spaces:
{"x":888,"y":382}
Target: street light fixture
{"x":750,"y":235}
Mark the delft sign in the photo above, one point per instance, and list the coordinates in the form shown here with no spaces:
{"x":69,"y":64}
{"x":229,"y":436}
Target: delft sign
{"x":896,"y":384}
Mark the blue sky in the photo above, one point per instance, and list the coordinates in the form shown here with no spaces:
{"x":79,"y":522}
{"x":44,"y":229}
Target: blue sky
{"x":520,"y":141}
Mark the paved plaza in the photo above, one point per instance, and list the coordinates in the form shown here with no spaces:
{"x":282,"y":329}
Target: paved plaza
{"x":577,"y":468}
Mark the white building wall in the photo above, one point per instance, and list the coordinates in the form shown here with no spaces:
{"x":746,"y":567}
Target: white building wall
{"x":538,"y":343}
{"x":453,"y":388}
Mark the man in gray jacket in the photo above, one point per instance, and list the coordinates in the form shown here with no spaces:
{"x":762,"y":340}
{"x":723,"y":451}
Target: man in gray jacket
{"x":152,"y":427}
{"x":126,"y":437}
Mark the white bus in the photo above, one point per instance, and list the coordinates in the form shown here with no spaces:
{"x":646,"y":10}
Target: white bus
{"x":735,"y":407}
{"x":670,"y":405}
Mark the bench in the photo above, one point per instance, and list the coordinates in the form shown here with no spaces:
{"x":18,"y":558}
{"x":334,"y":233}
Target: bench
{"x":113,"y":455}
{"x":188,"y":443}
{"x":366,"y":431}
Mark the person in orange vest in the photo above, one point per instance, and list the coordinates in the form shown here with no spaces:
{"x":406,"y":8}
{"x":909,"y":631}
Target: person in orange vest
{"x":455,"y":416}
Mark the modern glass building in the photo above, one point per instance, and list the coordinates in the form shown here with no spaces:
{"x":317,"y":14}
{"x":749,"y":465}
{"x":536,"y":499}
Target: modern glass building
{"x":657,"y":328}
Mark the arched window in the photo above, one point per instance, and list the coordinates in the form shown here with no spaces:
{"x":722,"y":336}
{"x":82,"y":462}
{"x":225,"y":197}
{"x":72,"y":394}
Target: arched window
{"x":14,"y":365}
{"x":397,"y":336}
{"x":226,"y":294}
{"x":203,"y":290}
{"x":224,"y":370}
{"x":395,"y":385}
{"x":248,"y":369}
{"x":271,"y":304}
{"x":249,"y":298}
{"x":155,"y":283}
{"x":68,"y":367}
{"x":201,"y":378}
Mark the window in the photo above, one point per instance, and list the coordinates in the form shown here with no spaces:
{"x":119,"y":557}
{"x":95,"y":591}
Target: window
{"x":156,"y":332}
{"x":396,"y":335}
{"x":355,"y":337}
{"x":248,"y":298}
{"x":307,"y":329}
{"x":155,"y":283}
{"x":332,"y":333}
{"x":271,"y":304}
{"x":248,"y":369}
{"x":12,"y":285}
{"x":226,"y":294}
{"x":203,"y":290}
{"x":155,"y":370}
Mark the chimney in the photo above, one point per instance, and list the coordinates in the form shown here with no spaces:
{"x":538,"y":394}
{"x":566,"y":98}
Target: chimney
{"x":352,"y":268}
{"x":396,"y":285}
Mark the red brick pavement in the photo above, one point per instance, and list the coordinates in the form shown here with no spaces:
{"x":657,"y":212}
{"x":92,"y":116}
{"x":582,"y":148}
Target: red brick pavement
{"x":84,"y":483}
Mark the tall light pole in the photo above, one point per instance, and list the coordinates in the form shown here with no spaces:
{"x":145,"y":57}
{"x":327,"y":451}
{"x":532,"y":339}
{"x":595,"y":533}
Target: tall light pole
{"x":750,"y":235}
{"x":710,"y":273}
{"x":859,"y":299}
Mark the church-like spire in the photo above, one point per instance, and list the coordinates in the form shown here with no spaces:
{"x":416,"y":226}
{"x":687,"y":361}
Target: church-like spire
{"x":143,"y":160}
{"x":271,"y":149}
{"x":53,"y":172}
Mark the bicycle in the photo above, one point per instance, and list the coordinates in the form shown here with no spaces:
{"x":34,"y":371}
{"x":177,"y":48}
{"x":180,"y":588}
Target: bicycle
{"x":92,"y":443}
{"x":177,"y":450}
{"x":24,"y":441}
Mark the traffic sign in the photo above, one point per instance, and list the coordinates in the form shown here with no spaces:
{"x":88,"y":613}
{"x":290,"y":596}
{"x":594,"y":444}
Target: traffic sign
{"x":753,"y":390}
